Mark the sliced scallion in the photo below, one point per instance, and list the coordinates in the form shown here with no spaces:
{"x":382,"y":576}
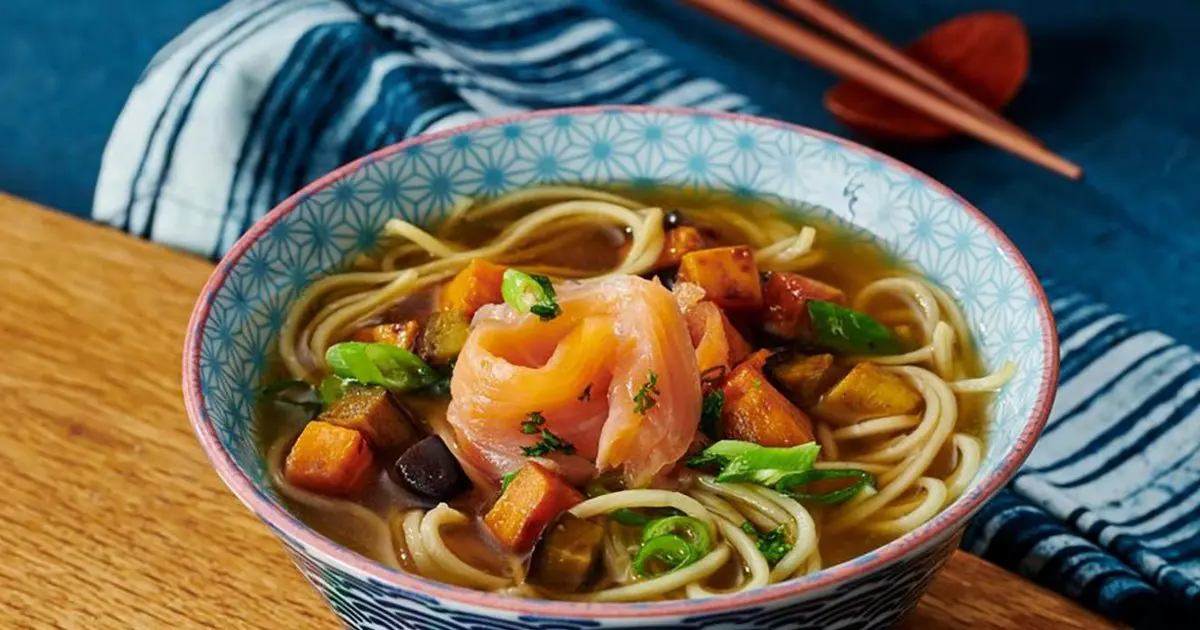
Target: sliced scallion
{"x":383,"y":364}
{"x":662,"y":555}
{"x":527,"y":293}
{"x":791,"y":485}
{"x":690,"y":529}
{"x":748,"y":462}
{"x":331,"y":389}
{"x":626,"y":516}
{"x":847,"y":331}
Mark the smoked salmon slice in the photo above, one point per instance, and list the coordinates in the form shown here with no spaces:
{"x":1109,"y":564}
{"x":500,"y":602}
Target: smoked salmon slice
{"x":614,"y":375}
{"x":718,"y":344}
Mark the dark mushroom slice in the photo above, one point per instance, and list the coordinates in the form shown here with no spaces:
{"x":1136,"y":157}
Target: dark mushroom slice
{"x":429,"y":469}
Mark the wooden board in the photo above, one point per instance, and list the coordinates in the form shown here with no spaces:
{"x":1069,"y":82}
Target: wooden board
{"x":110,"y":513}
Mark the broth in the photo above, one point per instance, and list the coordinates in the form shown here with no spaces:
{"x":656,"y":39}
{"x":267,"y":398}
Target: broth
{"x":847,"y":261}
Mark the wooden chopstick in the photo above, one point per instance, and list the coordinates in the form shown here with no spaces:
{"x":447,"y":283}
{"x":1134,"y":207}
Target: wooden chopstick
{"x":804,"y":43}
{"x":838,"y":23}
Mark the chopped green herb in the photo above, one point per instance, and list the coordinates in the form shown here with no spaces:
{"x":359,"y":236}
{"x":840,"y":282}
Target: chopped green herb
{"x":284,"y":385}
{"x":646,"y":396}
{"x":304,"y":397}
{"x":707,"y":460}
{"x":710,"y":412}
{"x":549,"y":443}
{"x":757,"y":383}
{"x":587,"y":393}
{"x":530,"y":294}
{"x":531,"y":426}
{"x":441,"y":387}
{"x":507,"y":479}
{"x":774,"y":544}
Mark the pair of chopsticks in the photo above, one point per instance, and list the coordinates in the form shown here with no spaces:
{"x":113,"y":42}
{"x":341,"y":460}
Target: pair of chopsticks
{"x":899,"y":77}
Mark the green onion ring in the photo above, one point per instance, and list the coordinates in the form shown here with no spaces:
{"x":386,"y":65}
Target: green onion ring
{"x":788,"y":484}
{"x":671,"y":551}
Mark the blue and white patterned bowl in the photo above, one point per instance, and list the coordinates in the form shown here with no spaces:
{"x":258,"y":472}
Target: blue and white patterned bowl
{"x":318,"y":230}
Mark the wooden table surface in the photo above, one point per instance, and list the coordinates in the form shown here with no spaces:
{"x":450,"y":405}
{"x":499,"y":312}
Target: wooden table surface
{"x":110,"y":514}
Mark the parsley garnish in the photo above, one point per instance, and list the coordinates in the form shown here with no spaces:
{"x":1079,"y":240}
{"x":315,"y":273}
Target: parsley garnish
{"x":547,"y":307}
{"x":549,"y":444}
{"x":710,"y":412}
{"x":531,"y":426}
{"x":772,"y":544}
{"x":279,"y":392}
{"x":507,"y":479}
{"x":587,"y":393}
{"x":707,"y":460}
{"x":646,"y":396}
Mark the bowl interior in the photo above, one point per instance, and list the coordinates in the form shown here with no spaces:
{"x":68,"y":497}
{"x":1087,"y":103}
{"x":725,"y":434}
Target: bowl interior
{"x":320,"y":229}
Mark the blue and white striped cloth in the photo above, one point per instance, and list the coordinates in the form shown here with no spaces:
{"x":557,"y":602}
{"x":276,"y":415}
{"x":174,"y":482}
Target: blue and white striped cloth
{"x":263,"y":96}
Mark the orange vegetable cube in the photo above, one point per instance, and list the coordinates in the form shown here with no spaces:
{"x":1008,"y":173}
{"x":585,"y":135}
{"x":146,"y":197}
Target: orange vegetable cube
{"x":679,"y":241}
{"x":330,"y":460}
{"x":757,"y":412}
{"x":785,"y":298}
{"x":400,"y":335}
{"x":369,"y":410}
{"x":868,"y":391}
{"x":805,"y":379}
{"x":728,"y":275}
{"x":534,"y":498}
{"x":477,"y":284}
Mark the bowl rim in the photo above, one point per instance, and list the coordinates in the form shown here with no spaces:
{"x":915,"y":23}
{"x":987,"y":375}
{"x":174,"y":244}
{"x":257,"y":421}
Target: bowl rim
{"x":313,"y":542}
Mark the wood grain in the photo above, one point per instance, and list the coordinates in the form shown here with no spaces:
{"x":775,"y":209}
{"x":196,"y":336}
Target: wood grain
{"x":110,"y":513}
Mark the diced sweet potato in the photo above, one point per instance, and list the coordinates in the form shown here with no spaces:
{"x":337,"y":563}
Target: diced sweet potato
{"x":328,"y":459}
{"x":868,"y":392}
{"x":370,"y":411}
{"x":534,"y":498}
{"x":477,"y":284}
{"x":444,"y":337}
{"x":728,"y":276}
{"x":400,"y":335}
{"x":756,"y":412}
{"x":677,"y":242}
{"x":785,"y":302}
{"x":804,"y":379}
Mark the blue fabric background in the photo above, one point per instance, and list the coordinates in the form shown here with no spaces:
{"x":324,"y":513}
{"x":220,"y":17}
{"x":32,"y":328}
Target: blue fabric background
{"x":1112,"y":86}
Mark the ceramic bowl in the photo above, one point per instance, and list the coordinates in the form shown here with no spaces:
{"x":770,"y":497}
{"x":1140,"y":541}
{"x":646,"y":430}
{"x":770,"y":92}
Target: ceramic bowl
{"x":321,"y":228}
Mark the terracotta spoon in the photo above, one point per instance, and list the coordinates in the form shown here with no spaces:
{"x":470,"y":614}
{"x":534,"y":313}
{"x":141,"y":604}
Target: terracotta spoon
{"x":985,"y":54}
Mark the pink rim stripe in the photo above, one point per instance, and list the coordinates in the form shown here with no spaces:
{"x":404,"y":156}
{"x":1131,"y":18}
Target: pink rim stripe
{"x":314,"y":543}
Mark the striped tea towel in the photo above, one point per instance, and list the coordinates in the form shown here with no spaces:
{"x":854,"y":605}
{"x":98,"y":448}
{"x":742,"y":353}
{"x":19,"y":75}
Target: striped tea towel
{"x":263,"y":96}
